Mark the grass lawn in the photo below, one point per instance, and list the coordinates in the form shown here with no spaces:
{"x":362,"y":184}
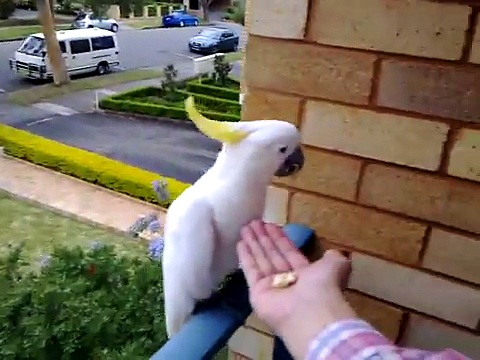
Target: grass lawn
{"x":41,"y":228}
{"x":20,"y":32}
{"x":47,"y":91}
{"x":233,"y":56}
{"x":142,"y":23}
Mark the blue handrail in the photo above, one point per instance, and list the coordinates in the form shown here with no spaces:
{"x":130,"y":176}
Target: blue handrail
{"x":215,"y":320}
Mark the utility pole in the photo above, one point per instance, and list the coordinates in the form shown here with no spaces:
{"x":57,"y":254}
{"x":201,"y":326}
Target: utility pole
{"x":54,"y":54}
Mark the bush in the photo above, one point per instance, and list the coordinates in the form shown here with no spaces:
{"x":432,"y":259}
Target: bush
{"x":86,"y":165}
{"x":198,"y":87}
{"x":137,"y":101}
{"x":136,"y":106}
{"x":7,"y":7}
{"x":82,"y":304}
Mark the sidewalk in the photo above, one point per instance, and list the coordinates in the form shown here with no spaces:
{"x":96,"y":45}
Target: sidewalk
{"x":69,"y":195}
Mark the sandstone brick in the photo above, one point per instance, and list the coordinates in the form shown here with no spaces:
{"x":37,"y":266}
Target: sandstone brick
{"x":416,"y":290}
{"x":276,"y":20}
{"x":383,"y":317}
{"x":251,"y":344}
{"x":276,"y":205}
{"x":440,"y":90}
{"x":447,"y":201}
{"x":400,"y":139}
{"x":428,"y":334}
{"x":475,"y":54}
{"x":263,"y":105}
{"x":407,"y":27}
{"x":361,"y":228}
{"x":454,"y":255}
{"x":309,"y":70}
{"x":254,"y":322}
{"x":327,"y":174}
{"x":465,"y":155}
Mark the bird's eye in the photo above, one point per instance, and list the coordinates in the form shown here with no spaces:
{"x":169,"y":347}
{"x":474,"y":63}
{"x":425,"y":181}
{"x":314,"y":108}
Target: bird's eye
{"x":283,"y":149}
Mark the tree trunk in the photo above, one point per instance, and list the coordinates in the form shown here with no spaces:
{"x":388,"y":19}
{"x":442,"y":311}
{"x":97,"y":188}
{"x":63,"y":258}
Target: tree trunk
{"x":206,"y":15}
{"x":54,"y":54}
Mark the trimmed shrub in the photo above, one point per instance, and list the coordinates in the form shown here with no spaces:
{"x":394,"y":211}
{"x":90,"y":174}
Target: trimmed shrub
{"x":197,"y":87}
{"x":137,"y":102}
{"x":7,"y":7}
{"x":136,"y":106}
{"x":86,"y":165}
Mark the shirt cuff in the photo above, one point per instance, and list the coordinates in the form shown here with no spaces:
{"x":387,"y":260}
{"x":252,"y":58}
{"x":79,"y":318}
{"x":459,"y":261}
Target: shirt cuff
{"x":345,"y":337}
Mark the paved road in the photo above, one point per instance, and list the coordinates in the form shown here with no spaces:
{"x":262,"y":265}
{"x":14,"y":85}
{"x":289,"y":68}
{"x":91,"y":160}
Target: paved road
{"x":166,"y":148}
{"x":138,"y":48}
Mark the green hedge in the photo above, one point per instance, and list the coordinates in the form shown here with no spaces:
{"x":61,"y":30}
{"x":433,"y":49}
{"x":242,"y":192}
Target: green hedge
{"x":134,"y":102}
{"x":85,"y":165}
{"x":197,"y":87}
{"x":143,"y":108}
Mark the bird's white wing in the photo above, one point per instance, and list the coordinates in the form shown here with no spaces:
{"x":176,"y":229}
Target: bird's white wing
{"x":187,"y":258}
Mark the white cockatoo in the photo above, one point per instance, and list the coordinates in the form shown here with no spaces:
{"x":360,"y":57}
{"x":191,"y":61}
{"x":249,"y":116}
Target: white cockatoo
{"x":203,"y":224}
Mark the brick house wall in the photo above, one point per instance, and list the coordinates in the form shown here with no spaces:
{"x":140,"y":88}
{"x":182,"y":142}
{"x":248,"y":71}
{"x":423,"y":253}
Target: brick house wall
{"x":387,"y":96}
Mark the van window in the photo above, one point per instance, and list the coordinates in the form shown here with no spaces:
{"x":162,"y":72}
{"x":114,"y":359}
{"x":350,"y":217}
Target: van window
{"x":102,"y":43}
{"x":62,"y":46}
{"x":80,"y":46}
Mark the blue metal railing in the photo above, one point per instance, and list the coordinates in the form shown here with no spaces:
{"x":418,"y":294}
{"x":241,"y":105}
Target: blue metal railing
{"x":215,"y":320}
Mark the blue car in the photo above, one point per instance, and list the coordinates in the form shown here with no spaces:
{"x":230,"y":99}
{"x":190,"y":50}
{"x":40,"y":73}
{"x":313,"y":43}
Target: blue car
{"x":179,"y":18}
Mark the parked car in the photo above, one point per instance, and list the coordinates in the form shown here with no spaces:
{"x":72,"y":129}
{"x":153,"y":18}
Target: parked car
{"x":214,"y":39}
{"x":90,"y":20}
{"x":83,"y":50}
{"x":179,"y":18}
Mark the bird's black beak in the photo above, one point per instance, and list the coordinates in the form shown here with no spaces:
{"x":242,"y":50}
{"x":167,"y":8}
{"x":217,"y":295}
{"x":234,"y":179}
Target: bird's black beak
{"x":292,"y":164}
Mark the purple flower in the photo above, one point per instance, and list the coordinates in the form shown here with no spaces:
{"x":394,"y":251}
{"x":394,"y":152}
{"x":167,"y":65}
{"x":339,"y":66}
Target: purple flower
{"x":95,"y":245}
{"x":44,"y":261}
{"x":161,"y":190}
{"x":155,"y":248}
{"x":154,"y":226}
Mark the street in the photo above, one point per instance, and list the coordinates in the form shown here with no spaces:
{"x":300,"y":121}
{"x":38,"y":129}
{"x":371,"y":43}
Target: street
{"x":168,"y":148}
{"x":138,"y":48}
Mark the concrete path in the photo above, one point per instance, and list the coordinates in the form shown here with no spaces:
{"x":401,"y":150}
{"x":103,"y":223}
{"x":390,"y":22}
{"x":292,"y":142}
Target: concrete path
{"x":72,"y":196}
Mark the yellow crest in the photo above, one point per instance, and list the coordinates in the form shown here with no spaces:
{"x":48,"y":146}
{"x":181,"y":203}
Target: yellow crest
{"x":218,"y":130}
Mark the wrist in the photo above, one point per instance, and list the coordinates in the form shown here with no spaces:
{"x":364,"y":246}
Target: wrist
{"x":305,"y":324}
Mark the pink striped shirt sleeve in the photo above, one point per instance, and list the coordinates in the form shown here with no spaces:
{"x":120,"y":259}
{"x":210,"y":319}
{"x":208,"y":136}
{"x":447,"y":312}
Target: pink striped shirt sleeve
{"x":357,"y":340}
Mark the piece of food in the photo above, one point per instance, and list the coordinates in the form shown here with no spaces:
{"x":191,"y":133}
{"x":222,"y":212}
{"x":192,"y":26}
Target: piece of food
{"x":284,"y":280}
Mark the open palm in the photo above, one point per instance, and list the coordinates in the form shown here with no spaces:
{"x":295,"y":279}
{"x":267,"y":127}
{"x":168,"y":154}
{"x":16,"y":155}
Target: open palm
{"x":265,"y":251}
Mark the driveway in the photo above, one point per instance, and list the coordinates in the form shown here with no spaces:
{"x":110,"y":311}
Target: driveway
{"x":167,"y":148}
{"x":138,"y":48}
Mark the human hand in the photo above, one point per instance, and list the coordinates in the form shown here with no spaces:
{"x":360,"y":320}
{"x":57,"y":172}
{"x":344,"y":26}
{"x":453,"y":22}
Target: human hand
{"x":298,"y":312}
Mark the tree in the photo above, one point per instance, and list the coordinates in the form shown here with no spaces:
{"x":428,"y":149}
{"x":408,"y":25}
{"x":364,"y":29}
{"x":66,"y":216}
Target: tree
{"x":205,"y":4}
{"x":60,"y":75}
{"x":7,"y":7}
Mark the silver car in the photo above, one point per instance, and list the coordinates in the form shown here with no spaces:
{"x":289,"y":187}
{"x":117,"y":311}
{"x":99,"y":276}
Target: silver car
{"x":90,"y":20}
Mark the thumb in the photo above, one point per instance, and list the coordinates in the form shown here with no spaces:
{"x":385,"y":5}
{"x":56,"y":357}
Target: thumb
{"x":334,"y":267}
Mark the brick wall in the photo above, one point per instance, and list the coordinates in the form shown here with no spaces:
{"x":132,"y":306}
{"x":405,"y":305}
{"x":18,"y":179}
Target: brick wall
{"x":387,"y":96}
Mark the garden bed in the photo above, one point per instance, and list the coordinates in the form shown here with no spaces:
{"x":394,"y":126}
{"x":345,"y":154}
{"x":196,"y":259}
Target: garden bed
{"x":154,"y":101}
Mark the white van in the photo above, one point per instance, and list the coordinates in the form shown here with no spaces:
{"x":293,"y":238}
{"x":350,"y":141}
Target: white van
{"x":84,"y":51}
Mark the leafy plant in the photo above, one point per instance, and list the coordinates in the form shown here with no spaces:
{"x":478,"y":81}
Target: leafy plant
{"x":169,"y":84}
{"x":7,"y":7}
{"x":221,"y":69}
{"x":82,"y":304}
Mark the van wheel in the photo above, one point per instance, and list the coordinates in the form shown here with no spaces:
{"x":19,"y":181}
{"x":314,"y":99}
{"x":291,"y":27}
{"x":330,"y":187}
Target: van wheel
{"x":103,"y":68}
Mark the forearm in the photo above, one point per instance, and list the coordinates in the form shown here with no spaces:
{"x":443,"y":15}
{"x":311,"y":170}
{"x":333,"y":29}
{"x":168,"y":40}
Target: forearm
{"x":356,"y":340}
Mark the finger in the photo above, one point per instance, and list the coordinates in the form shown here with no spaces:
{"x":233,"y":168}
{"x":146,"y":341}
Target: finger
{"x":338,"y":265}
{"x":248,"y":264}
{"x":263,"y":262}
{"x":266,"y":241}
{"x":286,"y":248}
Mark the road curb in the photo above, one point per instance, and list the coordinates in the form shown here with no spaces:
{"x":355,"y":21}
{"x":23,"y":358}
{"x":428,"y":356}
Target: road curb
{"x":12,"y":40}
{"x":186,"y":124}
